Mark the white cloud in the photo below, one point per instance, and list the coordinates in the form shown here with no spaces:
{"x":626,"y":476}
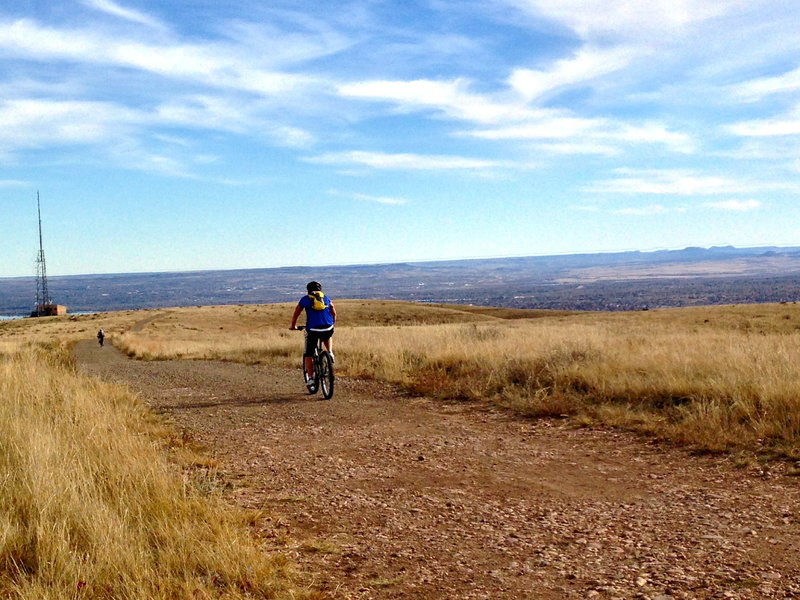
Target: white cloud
{"x":653,"y":133}
{"x":574,"y":148}
{"x":735,"y":205}
{"x":219,"y":64}
{"x":380,"y":199}
{"x":767,"y":127}
{"x":505,"y":119}
{"x":550,"y":125}
{"x":668,"y":182}
{"x":628,"y":19}
{"x":450,"y":97}
{"x":381,"y":160}
{"x":642,"y":211}
{"x":28,"y":123}
{"x":388,"y":200}
{"x":587,"y":64}
{"x":597,"y":136}
{"x":756,"y":89}
{"x":26,"y":38}
{"x":128,"y":14}
{"x":230,"y":114}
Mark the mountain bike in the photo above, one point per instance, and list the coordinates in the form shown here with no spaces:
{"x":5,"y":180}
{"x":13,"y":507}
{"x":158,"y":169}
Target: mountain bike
{"x":323,"y":370}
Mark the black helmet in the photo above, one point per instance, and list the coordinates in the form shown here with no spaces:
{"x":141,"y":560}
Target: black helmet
{"x":314,"y":286}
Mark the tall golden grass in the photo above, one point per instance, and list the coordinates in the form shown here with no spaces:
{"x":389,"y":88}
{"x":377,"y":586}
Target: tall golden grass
{"x":716,"y":390}
{"x":715,"y":377}
{"x":90,"y":507}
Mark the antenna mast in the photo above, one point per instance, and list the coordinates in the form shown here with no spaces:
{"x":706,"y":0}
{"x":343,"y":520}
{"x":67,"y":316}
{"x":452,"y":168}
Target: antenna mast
{"x":42,"y":294}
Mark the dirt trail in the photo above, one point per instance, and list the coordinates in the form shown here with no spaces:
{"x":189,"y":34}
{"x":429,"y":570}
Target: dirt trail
{"x":391,"y":497}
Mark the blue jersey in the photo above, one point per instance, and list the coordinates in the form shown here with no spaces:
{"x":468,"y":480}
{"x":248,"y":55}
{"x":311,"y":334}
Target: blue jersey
{"x":317,"y":320}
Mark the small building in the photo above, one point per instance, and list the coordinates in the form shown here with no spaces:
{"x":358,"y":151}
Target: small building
{"x":49,"y":310}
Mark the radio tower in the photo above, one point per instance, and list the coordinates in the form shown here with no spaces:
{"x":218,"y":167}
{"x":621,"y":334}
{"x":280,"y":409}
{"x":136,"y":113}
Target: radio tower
{"x":42,"y":295}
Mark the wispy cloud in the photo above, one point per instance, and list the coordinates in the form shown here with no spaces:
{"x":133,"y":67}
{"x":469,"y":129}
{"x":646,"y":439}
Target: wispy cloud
{"x":786,"y":125}
{"x":639,"y":210}
{"x":668,"y":182}
{"x":237,"y":115}
{"x":220,"y":64}
{"x":756,"y":89}
{"x":452,"y":98}
{"x":587,"y":147}
{"x":653,"y":209}
{"x":546,"y":125}
{"x":736,"y":205}
{"x":406,"y":162}
{"x":642,"y":211}
{"x":128,"y":14}
{"x":509,"y":119}
{"x":587,"y":64}
{"x":389,"y":200}
{"x":628,"y":19}
{"x":603,"y":135}
{"x":381,"y":199}
{"x":29,"y":123}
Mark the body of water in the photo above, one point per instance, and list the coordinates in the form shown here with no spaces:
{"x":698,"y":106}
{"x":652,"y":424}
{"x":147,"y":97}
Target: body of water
{"x":12,"y":317}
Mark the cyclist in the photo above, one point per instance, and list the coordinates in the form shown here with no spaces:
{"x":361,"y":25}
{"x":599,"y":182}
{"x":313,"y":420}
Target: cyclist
{"x":320,"y":319}
{"x":101,"y":335}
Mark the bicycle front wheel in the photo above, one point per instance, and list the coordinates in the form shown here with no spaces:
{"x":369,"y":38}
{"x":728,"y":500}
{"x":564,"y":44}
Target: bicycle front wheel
{"x":326,"y":378}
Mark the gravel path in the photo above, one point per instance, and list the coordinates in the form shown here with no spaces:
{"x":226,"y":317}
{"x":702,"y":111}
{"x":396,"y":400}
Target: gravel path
{"x":390,"y":497}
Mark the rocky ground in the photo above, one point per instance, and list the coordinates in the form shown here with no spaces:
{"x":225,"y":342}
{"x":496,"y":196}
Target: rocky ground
{"x":382,"y":496}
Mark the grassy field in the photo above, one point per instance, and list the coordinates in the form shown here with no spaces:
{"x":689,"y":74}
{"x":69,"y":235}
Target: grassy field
{"x":99,"y":500}
{"x":715,"y":378}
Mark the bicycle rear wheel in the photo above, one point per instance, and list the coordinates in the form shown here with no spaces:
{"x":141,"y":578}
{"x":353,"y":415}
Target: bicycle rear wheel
{"x":311,"y":384}
{"x":326,"y":378}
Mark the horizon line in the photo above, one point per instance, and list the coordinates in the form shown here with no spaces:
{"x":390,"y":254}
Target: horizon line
{"x":412,"y":261}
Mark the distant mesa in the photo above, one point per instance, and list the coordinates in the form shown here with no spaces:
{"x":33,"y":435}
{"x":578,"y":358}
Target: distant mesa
{"x":691,"y":276}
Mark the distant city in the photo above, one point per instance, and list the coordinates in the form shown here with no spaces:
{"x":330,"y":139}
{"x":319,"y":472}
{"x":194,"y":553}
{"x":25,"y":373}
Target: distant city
{"x":612,"y":281}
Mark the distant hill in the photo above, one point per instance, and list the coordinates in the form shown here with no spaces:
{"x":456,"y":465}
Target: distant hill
{"x":607,"y":281}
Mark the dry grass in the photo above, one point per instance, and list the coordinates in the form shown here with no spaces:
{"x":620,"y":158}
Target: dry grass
{"x":716,"y":378}
{"x":91,"y":508}
{"x":66,"y":328}
{"x":253,"y":334}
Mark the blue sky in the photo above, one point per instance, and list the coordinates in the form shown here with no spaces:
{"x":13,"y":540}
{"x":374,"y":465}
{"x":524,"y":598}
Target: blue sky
{"x":210,"y":135}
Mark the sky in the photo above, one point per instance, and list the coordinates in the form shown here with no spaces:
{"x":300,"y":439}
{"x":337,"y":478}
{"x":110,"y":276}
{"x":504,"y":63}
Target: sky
{"x":192,"y":135}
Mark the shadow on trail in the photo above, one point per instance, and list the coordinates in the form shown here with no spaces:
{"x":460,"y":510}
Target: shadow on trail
{"x":178,"y":385}
{"x":298,"y":399}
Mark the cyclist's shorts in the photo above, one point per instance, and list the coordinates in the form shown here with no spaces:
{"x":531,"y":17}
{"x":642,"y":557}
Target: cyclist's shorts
{"x":313,"y":336}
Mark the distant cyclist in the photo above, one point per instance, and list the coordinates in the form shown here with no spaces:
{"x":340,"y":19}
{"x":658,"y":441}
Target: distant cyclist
{"x":320,"y":319}
{"x":101,"y":335}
